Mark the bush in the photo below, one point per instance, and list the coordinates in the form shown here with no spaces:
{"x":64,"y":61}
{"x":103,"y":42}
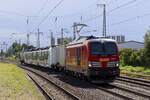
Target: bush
{"x":132,"y":57}
{"x":125,"y":56}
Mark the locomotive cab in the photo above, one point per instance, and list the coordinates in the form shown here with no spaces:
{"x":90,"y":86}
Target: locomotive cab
{"x":103,"y":60}
{"x":97,"y":59}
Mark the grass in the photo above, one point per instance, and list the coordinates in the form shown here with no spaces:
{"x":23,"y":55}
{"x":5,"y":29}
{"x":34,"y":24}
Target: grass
{"x":136,"y":70}
{"x":14,"y":84}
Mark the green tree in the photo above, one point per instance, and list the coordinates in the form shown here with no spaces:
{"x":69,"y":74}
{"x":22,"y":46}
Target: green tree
{"x":17,"y":48}
{"x":147,"y":47}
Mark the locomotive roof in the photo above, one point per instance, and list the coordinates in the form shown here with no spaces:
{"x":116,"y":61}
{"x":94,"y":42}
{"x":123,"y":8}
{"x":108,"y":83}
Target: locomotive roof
{"x":103,"y":39}
{"x":81,"y":39}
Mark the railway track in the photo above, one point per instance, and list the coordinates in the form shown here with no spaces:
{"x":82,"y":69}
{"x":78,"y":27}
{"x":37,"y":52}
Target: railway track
{"x":129,"y":91}
{"x":101,"y":88}
{"x":119,"y":91}
{"x":135,"y":82}
{"x":142,"y":82}
{"x":47,"y":93}
{"x":127,"y":94}
{"x":112,"y":92}
{"x":135,"y":75}
{"x":124,"y":92}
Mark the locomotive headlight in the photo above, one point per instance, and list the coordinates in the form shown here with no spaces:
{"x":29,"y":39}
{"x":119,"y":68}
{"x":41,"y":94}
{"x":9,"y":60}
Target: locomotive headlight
{"x":90,"y":64}
{"x":117,"y":64}
{"x":113,"y":64}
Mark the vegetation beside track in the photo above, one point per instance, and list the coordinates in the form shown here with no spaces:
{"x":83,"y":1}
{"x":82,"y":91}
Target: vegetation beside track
{"x":135,"y":71}
{"x":136,"y":61}
{"x":14,"y":84}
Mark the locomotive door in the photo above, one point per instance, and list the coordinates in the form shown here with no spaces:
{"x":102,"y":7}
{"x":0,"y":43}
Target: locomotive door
{"x":78,"y":56}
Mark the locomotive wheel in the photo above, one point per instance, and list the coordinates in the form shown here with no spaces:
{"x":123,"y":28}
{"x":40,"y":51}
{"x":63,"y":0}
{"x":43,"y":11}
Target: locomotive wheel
{"x":73,"y":74}
{"x":77,"y":75}
{"x":80,"y":76}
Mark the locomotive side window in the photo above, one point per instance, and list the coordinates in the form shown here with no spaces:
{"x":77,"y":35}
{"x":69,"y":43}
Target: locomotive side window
{"x":78,"y":56}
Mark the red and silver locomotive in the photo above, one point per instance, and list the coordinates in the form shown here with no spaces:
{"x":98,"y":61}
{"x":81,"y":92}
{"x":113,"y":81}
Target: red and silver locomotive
{"x":96,"y":59}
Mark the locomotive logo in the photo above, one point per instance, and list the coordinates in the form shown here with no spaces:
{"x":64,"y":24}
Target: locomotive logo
{"x":104,"y":59}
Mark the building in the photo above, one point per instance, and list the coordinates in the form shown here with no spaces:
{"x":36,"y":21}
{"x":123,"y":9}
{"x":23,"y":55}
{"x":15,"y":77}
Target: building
{"x":118,"y":38}
{"x":131,"y":45}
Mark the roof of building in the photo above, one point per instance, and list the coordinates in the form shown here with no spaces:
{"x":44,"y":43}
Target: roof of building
{"x":131,"y":41}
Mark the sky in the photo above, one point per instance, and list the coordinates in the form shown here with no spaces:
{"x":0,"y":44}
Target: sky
{"x":124,"y":17}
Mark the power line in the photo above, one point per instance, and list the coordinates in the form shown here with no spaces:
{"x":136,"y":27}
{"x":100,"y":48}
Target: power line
{"x":110,"y":2}
{"x":74,"y":14}
{"x":43,"y":6}
{"x":15,"y":13}
{"x":49,"y":14}
{"x":130,"y":19}
{"x":121,"y":6}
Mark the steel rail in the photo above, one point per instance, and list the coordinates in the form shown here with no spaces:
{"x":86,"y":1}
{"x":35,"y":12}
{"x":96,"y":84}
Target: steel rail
{"x":111,"y":92}
{"x":136,"y":79}
{"x":59,"y":87}
{"x":45,"y":93}
{"x":130,"y":91}
{"x":134,"y":82}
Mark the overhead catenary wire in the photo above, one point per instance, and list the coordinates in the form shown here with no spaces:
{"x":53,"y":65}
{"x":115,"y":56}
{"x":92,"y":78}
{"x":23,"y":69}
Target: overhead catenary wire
{"x":81,"y":13}
{"x":15,"y":13}
{"x":131,"y":19}
{"x":118,"y":7}
{"x":121,"y":6}
{"x":50,"y":12}
{"x":43,"y":6}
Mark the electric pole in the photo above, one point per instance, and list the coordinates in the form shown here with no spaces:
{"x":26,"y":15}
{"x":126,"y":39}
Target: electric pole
{"x":104,"y":21}
{"x":38,"y":38}
{"x":52,"y":39}
{"x":1,"y":52}
{"x":104,"y":18}
{"x":28,"y":35}
{"x":62,"y":38}
{"x":3,"y":47}
{"x":74,"y":31}
{"x":28,"y":39}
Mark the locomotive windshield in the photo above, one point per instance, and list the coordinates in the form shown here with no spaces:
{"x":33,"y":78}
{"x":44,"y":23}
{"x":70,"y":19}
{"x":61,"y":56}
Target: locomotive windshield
{"x":107,"y":48}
